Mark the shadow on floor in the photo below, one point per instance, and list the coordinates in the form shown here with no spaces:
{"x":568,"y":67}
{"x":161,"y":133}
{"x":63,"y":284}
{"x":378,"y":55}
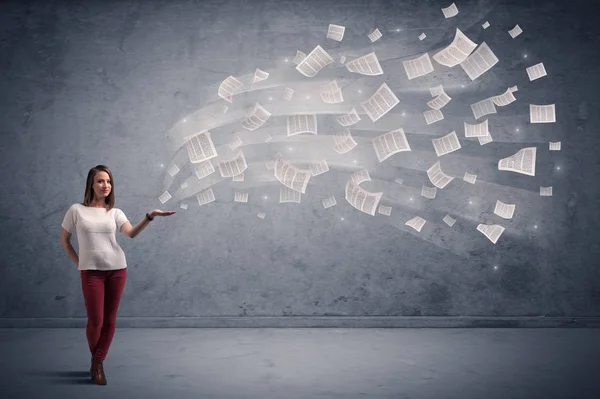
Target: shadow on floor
{"x":64,"y":377}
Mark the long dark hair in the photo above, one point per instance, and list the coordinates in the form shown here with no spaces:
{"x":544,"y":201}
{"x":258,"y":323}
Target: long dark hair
{"x":89,"y":191}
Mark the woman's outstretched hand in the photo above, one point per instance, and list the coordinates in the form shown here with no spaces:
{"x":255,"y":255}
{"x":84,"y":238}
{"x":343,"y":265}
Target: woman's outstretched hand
{"x":158,"y":212}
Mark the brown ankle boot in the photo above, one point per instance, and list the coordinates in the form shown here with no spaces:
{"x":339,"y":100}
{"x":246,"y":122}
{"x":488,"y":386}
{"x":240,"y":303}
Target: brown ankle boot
{"x":97,"y":372}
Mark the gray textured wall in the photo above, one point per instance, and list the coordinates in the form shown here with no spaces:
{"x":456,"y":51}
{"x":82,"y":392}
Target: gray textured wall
{"x":86,"y":83}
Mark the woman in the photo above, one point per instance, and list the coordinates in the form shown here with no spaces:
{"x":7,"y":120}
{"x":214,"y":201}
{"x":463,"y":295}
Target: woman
{"x":102,"y":265}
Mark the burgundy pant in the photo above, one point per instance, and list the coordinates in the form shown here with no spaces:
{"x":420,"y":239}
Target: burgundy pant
{"x":102,"y":291}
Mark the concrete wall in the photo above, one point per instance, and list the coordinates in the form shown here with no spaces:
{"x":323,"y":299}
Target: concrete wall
{"x":122,"y":83}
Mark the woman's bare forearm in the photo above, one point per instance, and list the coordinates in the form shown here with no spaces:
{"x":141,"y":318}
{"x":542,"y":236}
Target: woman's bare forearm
{"x":71,"y":252}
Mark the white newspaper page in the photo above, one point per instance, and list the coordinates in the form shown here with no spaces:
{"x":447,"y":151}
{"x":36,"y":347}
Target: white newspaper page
{"x":446,"y":144}
{"x":184,"y":184}
{"x":256,"y":118}
{"x":485,"y":25}
{"x":450,"y":11}
{"x":300,"y":56}
{"x":259,"y":75}
{"x":384,"y":210}
{"x":200,"y":147}
{"x":329,"y":202}
{"x":336,"y":32}
{"x":437,"y":177}
{"x":288,"y":94}
{"x":173,"y":170}
{"x":361,"y":199}
{"x":241,"y":197}
{"x":554,"y":146}
{"x":390,"y":143}
{"x":344,"y":142}
{"x":399,"y":180}
{"x":331,"y":93}
{"x":522,"y":162}
{"x":546,"y":191}
{"x":342,"y":59}
{"x":503,"y":100}
{"x":440,"y":101}
{"x":481,"y":61}
{"x":436,"y":91}
{"x":314,"y":62}
{"x":417,"y":67}
{"x":365,"y":65}
{"x":422,"y":36}
{"x":204,"y":169}
{"x":416,"y":223}
{"x":228,"y":88}
{"x":469,"y":178}
{"x":478,"y":130}
{"x":449,"y":220}
{"x":235,"y":143}
{"x":360,"y":176}
{"x":485,"y":139}
{"x":542,"y":113}
{"x":206,"y":197}
{"x":483,"y":108}
{"x":428,"y":192}
{"x":288,"y":195}
{"x":491,"y":231}
{"x":458,"y":51}
{"x":348,"y":119}
{"x":234,"y":167}
{"x":536,"y":71}
{"x":297,"y":124}
{"x":239,"y":177}
{"x":319,"y":168}
{"x":261,"y":215}
{"x":164,"y":197}
{"x":291,"y":176}
{"x":433,"y":115}
{"x":183,"y":206}
{"x":375,"y":35}
{"x":505,"y":211}
{"x":380,"y":103}
{"x":516,"y":31}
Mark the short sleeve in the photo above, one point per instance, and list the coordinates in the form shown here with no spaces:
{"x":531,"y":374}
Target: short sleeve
{"x":120,"y":218}
{"x":70,"y":221}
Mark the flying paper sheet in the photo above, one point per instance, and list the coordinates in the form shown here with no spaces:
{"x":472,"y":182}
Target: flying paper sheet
{"x":428,"y":192}
{"x":485,"y":25}
{"x":329,"y":202}
{"x":446,"y":144}
{"x":206,"y":197}
{"x":536,"y":71}
{"x":416,"y":223}
{"x":240,"y":197}
{"x":483,"y":108}
{"x":491,"y":231}
{"x":233,"y":167}
{"x":286,"y":194}
{"x":479,"y":62}
{"x":554,"y":146}
{"x":522,"y":162}
{"x":542,"y":113}
{"x":164,"y":197}
{"x":457,"y":52}
{"x":433,"y":115}
{"x":314,"y":62}
{"x":256,"y":118}
{"x":365,"y":65}
{"x":173,"y":170}
{"x":200,"y":147}
{"x":228,"y":88}
{"x":336,"y":32}
{"x":375,"y":35}
{"x":318,"y":168}
{"x":422,"y":36}
{"x":417,"y":67}
{"x":505,"y":211}
{"x":478,"y":130}
{"x":297,"y":124}
{"x":449,"y":220}
{"x":204,"y":169}
{"x":384,"y":210}
{"x":450,"y":11}
{"x":361,"y":199}
{"x":344,"y":142}
{"x":331,"y":93}
{"x":300,"y":56}
{"x":380,"y":103}
{"x":390,"y":143}
{"x":546,"y":191}
{"x":437,"y":177}
{"x":469,"y":178}
{"x":516,"y":31}
{"x":348,"y":119}
{"x":259,"y":75}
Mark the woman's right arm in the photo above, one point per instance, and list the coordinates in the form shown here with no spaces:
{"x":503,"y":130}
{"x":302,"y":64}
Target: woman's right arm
{"x":65,"y":241}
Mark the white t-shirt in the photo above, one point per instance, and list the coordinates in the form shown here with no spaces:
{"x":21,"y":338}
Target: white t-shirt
{"x":96,"y":227}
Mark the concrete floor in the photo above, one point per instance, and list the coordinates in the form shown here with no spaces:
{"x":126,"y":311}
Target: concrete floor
{"x":306,"y":363}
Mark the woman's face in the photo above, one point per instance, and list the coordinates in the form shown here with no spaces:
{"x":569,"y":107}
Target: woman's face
{"x":102,"y":185}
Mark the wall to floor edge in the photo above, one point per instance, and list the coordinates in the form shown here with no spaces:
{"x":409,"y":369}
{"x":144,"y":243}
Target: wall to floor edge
{"x":315,"y":322}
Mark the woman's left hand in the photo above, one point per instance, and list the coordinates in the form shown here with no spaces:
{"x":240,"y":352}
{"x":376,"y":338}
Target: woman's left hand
{"x":158,"y":212}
